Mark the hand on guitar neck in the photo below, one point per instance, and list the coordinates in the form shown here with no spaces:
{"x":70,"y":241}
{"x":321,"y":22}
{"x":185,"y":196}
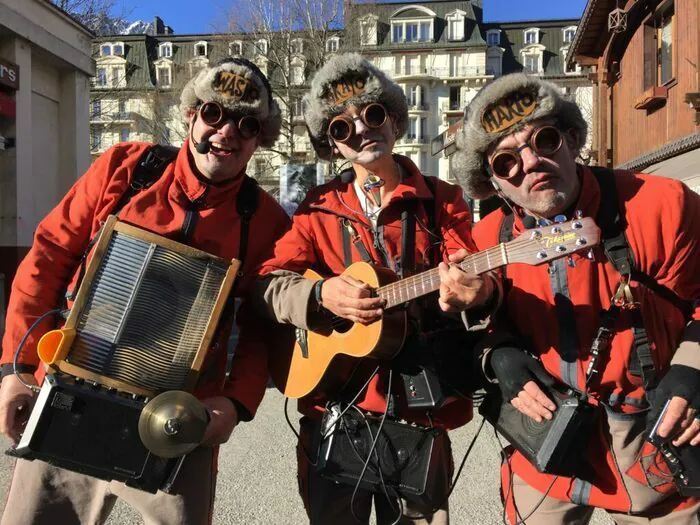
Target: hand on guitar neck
{"x":460,"y":290}
{"x":351,"y":299}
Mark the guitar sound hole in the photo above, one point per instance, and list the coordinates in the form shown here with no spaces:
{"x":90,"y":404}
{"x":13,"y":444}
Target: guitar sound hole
{"x":342,"y":325}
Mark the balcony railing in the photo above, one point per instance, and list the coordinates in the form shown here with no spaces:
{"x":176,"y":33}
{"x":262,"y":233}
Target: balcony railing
{"x":412,"y":139}
{"x":439,"y":72}
{"x":452,"y":105}
{"x":413,"y":106}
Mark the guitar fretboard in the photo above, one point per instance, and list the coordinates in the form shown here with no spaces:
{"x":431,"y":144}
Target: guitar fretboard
{"x":423,"y":283}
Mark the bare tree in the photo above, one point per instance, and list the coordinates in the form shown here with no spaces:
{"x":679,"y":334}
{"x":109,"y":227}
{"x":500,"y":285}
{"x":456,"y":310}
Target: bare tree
{"x":100,"y":16}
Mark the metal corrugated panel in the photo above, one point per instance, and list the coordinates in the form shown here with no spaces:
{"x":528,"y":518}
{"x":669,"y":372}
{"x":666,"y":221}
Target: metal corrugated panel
{"x":146,"y":314}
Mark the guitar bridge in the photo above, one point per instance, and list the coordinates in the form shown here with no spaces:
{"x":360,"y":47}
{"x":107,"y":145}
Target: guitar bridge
{"x":302,"y":337}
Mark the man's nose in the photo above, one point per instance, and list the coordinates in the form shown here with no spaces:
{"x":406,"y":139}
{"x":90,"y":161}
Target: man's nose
{"x":531,"y":160}
{"x":360,"y":126}
{"x":229,"y":129}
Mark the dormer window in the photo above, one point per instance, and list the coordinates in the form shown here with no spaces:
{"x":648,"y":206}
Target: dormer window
{"x":297,"y":46}
{"x":532,"y":36}
{"x":493,"y":37}
{"x":411,"y":31}
{"x":261,"y":47}
{"x":235,"y":49}
{"x":118,"y":49}
{"x":105,"y":50}
{"x":165,"y":50}
{"x":568,"y":34}
{"x":368,"y":30}
{"x":163,"y":76}
{"x":332,"y":44}
{"x":455,"y":25}
{"x":200,"y":49}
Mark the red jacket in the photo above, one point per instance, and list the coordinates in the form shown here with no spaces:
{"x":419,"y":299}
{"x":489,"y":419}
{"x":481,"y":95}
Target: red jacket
{"x":315,"y":242}
{"x":61,"y":238}
{"x":663,"y":231}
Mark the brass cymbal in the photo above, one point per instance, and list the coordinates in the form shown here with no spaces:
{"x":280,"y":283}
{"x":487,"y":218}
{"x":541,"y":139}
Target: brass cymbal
{"x":172,"y":424}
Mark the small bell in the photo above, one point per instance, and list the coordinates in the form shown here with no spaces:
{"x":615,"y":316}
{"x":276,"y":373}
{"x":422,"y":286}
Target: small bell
{"x":372,"y":187}
{"x":570,"y":261}
{"x":589,"y":254}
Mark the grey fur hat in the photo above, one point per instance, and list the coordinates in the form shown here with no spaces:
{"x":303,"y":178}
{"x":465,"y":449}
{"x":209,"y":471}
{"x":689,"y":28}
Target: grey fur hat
{"x":499,"y":109}
{"x":238,"y":85}
{"x":349,"y":79}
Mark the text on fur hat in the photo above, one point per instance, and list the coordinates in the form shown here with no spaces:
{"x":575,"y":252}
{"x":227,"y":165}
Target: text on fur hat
{"x":234,"y":86}
{"x":347,"y":88}
{"x":508,"y":111}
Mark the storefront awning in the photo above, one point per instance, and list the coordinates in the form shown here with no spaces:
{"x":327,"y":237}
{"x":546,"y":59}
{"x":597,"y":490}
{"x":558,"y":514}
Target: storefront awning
{"x":685,"y":167}
{"x":7,"y":106}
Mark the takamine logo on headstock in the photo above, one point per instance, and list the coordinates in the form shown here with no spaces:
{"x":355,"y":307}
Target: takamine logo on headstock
{"x":546,"y":243}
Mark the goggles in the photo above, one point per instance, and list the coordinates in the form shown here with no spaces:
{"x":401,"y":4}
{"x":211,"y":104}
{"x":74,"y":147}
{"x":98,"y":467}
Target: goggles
{"x":507,"y":163}
{"x":212,"y":114}
{"x":342,"y":127}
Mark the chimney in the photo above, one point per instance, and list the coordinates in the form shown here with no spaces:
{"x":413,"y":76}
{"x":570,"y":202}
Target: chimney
{"x":159,"y":26}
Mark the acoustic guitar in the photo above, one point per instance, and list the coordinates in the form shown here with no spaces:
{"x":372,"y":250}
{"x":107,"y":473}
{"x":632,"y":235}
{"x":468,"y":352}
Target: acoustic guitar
{"x":301,"y":370}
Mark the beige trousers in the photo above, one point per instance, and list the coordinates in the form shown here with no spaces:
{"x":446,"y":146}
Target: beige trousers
{"x":41,"y":494}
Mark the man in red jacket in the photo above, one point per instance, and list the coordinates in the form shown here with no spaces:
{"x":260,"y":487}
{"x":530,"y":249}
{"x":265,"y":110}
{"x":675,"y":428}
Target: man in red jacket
{"x":355,"y":111}
{"x":520,"y":139}
{"x":194,"y":202}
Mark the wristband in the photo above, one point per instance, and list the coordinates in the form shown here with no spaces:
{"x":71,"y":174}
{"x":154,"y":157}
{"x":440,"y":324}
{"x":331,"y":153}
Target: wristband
{"x":9,"y":369}
{"x":318,"y":285}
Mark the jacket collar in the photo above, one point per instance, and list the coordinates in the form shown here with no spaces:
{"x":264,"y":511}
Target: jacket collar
{"x":588,"y":201}
{"x":194,"y":186}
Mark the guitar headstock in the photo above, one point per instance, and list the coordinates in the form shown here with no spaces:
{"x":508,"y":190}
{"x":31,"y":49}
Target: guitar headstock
{"x":547,"y":243}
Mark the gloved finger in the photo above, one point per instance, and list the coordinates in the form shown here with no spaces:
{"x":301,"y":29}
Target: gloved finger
{"x":675,"y":413}
{"x":538,"y":395}
{"x":534,"y":406}
{"x":692,"y":431}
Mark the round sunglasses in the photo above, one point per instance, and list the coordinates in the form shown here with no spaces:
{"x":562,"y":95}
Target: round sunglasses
{"x":342,"y":127}
{"x":212,"y":114}
{"x":507,"y":163}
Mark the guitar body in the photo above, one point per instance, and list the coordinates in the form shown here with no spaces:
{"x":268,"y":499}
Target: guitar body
{"x":321,"y":364}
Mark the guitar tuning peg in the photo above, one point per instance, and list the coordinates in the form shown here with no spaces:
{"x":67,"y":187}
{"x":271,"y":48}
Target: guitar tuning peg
{"x":559,"y":219}
{"x":570,"y":261}
{"x":589,"y":254}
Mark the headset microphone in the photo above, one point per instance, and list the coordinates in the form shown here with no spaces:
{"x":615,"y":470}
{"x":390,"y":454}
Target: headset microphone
{"x":202,"y":147}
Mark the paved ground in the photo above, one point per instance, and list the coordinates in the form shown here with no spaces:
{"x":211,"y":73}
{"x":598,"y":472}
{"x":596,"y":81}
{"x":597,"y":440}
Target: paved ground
{"x":257,"y":480}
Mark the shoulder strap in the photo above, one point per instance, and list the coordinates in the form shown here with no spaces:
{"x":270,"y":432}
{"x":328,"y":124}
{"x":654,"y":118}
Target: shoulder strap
{"x":408,"y":238}
{"x":148,"y":170}
{"x":246,"y":206}
{"x":505,"y":234}
{"x":429,"y":205}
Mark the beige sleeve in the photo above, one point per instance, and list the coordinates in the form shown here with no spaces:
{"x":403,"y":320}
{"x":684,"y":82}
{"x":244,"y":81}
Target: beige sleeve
{"x":688,"y":352}
{"x":284,"y":296}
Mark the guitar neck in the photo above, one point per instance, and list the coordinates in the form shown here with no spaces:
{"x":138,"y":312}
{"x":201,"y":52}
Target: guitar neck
{"x":418,"y":285}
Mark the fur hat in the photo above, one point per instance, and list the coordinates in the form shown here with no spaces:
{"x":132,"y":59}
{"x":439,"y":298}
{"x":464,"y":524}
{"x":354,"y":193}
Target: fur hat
{"x":238,"y":85}
{"x":499,"y":109}
{"x":345,"y":80}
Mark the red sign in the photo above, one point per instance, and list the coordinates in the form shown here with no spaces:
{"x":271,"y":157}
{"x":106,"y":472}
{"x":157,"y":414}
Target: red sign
{"x":7,"y":106}
{"x":9,"y":75}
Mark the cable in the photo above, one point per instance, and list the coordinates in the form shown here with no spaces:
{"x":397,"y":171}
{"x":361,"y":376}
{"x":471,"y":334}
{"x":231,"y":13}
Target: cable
{"x":21,"y":344}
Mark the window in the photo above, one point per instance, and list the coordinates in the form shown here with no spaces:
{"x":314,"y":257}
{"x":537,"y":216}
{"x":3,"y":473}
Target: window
{"x":163,"y":76}
{"x":260,"y":166}
{"x":200,"y":49}
{"x":117,"y":76}
{"x":397,"y":34}
{"x":95,"y":140}
{"x":411,"y":128}
{"x":455,"y":98}
{"x":531,"y":64}
{"x":297,"y":46}
{"x":296,"y":107}
{"x":96,"y":110}
{"x":456,"y":28}
{"x":368,"y":31}
{"x":101,"y":76}
{"x":493,"y":65}
{"x":297,"y":74}
{"x":105,"y":50}
{"x":411,"y":32}
{"x":493,"y":37}
{"x":122,"y":108}
{"x":659,"y":67}
{"x":261,"y":47}
{"x":332,"y":45}
{"x":124,"y":135}
{"x":165,"y":50}
{"x":532,"y":36}
{"x":423,"y":161}
{"x":235,"y":49}
{"x":118,"y":49}
{"x":569,"y":33}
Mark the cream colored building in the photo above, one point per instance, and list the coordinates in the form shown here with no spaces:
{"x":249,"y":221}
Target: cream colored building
{"x":50,"y":55}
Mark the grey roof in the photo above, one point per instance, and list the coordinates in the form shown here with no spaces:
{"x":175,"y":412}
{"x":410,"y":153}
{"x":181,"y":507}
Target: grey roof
{"x":136,"y":54}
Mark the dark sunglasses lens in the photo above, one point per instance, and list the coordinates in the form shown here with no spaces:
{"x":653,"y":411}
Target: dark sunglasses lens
{"x":547,"y":141}
{"x":249,"y":127}
{"x":504,"y":164}
{"x":375,"y":115}
{"x":339,"y":130}
{"x":211,"y":113}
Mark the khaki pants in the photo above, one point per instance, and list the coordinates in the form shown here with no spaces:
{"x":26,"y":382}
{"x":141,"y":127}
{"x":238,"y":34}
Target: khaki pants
{"x":329,"y":503}
{"x":41,"y":494}
{"x":551,"y":511}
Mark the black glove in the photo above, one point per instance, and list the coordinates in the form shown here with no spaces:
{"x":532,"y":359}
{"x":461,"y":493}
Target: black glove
{"x":680,"y":380}
{"x":513,"y":368}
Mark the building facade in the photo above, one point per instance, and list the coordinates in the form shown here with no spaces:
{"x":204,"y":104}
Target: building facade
{"x":440,"y":52}
{"x":644,"y":57}
{"x":45,"y":69}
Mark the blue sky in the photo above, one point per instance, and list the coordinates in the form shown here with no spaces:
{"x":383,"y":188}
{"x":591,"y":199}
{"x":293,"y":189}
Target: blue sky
{"x":205,"y":16}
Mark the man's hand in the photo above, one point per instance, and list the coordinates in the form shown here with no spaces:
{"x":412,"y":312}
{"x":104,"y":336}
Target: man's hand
{"x":16,"y":402}
{"x":351,"y":299}
{"x":518,"y":376}
{"x":224,"y":418}
{"x":459,"y":290}
{"x":681,"y":385}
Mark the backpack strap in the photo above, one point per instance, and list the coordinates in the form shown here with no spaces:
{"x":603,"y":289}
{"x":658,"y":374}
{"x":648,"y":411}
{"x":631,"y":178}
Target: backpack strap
{"x":246,"y":206}
{"x":148,"y":170}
